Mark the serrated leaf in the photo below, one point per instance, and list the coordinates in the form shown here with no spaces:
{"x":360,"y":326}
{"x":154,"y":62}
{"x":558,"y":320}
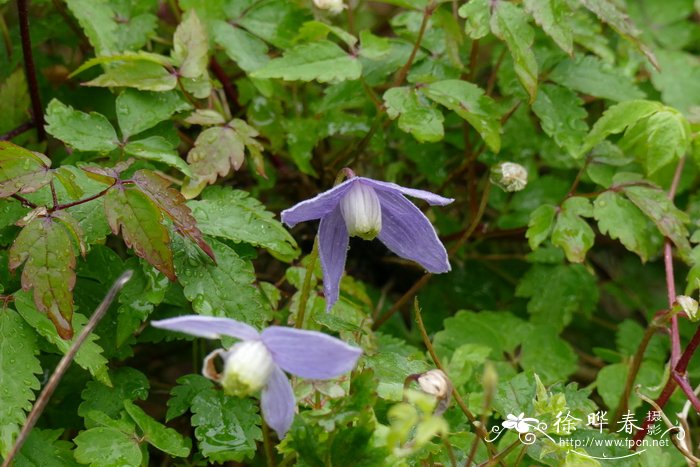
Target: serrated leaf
{"x":89,"y":355}
{"x":225,"y":289}
{"x":392,"y":363}
{"x":420,"y":119}
{"x":127,"y":384}
{"x":191,"y":46}
{"x":471,"y":103}
{"x":551,"y":16}
{"x":107,"y":447}
{"x":249,"y":52}
{"x":571,"y":233}
{"x":312,"y":31}
{"x":95,"y":17}
{"x":373,"y":47}
{"x":322,"y":61}
{"x":510,"y":24}
{"x":46,"y":248}
{"x":138,"y":74}
{"x":590,"y":75}
{"x":133,"y":213}
{"x":540,"y":225}
{"x":18,"y":367}
{"x":164,"y":438}
{"x":172,"y":204}
{"x":668,"y":218}
{"x":274,"y":21}
{"x":182,"y":395}
{"x":546,"y":354}
{"x":237,"y":216}
{"x":14,"y":101}
{"x":45,"y":448}
{"x":477,"y":14}
{"x":620,"y":219}
{"x":562,"y":116}
{"x":22,"y":171}
{"x":159,"y":149}
{"x":227,"y":428}
{"x":138,"y":111}
{"x":85,"y":132}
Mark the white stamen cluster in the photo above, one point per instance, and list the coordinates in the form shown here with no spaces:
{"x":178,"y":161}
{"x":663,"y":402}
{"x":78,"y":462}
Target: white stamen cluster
{"x":247,"y":368}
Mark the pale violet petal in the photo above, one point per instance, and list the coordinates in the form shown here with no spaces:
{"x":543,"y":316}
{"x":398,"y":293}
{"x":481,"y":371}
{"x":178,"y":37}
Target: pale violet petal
{"x":333,"y":243}
{"x":318,"y":206}
{"x":310,"y":354}
{"x":277,"y":403}
{"x":208,"y":326}
{"x":431,"y":198}
{"x":408,"y":233}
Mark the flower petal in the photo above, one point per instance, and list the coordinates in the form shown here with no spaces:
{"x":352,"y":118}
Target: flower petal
{"x":318,"y":206}
{"x":278,"y":403}
{"x":310,"y":354}
{"x":408,"y":233}
{"x":208,"y":326}
{"x":333,"y":240}
{"x":431,"y":198}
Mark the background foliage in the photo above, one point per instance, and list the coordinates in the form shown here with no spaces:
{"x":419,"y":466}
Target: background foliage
{"x":177,"y":130}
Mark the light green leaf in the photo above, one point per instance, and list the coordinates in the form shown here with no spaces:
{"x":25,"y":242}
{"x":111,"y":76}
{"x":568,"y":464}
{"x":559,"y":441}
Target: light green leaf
{"x":85,"y":132}
{"x":392,"y":363}
{"x":191,"y":46}
{"x":469,"y":102}
{"x":510,"y":24}
{"x":274,"y":21}
{"x":226,"y":289}
{"x":322,"y":61}
{"x":249,"y":52}
{"x":21,"y":170}
{"x":107,"y":447}
{"x":312,"y":31}
{"x":540,"y":225}
{"x":237,"y":216}
{"x":96,"y":19}
{"x":571,"y":233}
{"x":89,"y":355}
{"x":547,"y":355}
{"x":552,"y":16}
{"x":166,"y":439}
{"x":18,"y":367}
{"x":157,"y":148}
{"x":416,"y":116}
{"x":620,"y":219}
{"x":562,"y":116}
{"x":138,"y":111}
{"x":373,"y":47}
{"x":478,"y":15}
{"x":14,"y":101}
{"x":138,"y":74}
{"x":678,"y":80}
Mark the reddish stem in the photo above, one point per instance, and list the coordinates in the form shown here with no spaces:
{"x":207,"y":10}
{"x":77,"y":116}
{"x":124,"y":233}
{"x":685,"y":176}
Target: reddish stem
{"x":30,"y":69}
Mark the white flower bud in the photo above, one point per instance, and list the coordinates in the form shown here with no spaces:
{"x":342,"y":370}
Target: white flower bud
{"x":362,"y":212}
{"x":509,"y":176}
{"x":333,"y":6}
{"x":689,"y":305}
{"x":247,"y":368}
{"x":436,"y":383}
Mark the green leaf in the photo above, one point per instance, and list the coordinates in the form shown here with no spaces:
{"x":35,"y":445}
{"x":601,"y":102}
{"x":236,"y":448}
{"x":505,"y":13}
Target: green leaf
{"x":548,"y":355}
{"x":668,"y":218}
{"x":89,"y":355}
{"x":679,"y":79}
{"x":84,"y":132}
{"x":227,"y":428}
{"x":511,"y":24}
{"x":322,"y":61}
{"x":22,"y":171}
{"x":95,"y":17}
{"x":562,"y":116}
{"x":312,"y":31}
{"x":616,"y":119}
{"x":373,"y":47}
{"x":590,"y":75}
{"x":469,"y":102}
{"x":416,"y":116}
{"x":182,"y":395}
{"x":159,"y":149}
{"x":138,"y":74}
{"x":249,"y":52}
{"x":552,"y":16}
{"x":392,"y":364}
{"x":610,"y":382}
{"x":138,"y":111}
{"x":18,"y":367}
{"x":133,"y":213}
{"x":235,"y":215}
{"x":14,"y":101}
{"x":478,"y":15}
{"x":127,"y":384}
{"x":166,"y":439}
{"x":540,"y":225}
{"x":46,"y":248}
{"x":620,"y":219}
{"x":107,"y":447}
{"x":571,"y":233}
{"x":274,"y":21}
{"x":191,"y":47}
{"x":226,"y":289}
{"x":44,"y":448}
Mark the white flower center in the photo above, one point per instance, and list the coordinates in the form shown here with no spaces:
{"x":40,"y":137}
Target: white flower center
{"x":362,"y":212}
{"x":333,"y":6}
{"x":247,"y":368}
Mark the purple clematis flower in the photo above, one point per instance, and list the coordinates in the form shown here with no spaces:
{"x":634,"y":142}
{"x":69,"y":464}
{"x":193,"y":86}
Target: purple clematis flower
{"x":369,"y":208}
{"x":258,"y":360}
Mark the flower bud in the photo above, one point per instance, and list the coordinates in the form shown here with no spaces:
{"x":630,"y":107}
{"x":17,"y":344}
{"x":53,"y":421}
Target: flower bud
{"x":689,"y":305}
{"x":436,"y":383}
{"x":247,"y":368}
{"x":362,"y":212}
{"x":333,"y":6}
{"x":509,"y":176}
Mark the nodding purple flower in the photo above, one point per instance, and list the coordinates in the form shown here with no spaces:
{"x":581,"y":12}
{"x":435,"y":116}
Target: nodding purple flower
{"x":370,"y":209}
{"x":259,"y":361}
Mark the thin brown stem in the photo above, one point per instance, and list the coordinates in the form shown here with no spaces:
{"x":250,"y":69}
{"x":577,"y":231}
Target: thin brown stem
{"x":30,"y":69}
{"x":225,"y":81}
{"x":401,"y":74}
{"x":501,"y":455}
{"x":59,"y":207}
{"x":25,"y":202}
{"x":54,"y":197}
{"x":26,"y":126}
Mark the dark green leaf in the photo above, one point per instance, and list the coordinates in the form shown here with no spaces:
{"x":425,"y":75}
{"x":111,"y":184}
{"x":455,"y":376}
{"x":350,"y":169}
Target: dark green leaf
{"x":562,"y":116}
{"x":44,"y":448}
{"x":416,"y":116}
{"x":164,"y":438}
{"x":85,"y":132}
{"x":182,"y":395}
{"x":138,"y":111}
{"x":552,"y":16}
{"x":590,"y":75}
{"x":249,"y":52}
{"x":622,"y":220}
{"x":14,"y":101}
{"x":157,"y":148}
{"x":540,"y":225}
{"x":571,"y":233}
